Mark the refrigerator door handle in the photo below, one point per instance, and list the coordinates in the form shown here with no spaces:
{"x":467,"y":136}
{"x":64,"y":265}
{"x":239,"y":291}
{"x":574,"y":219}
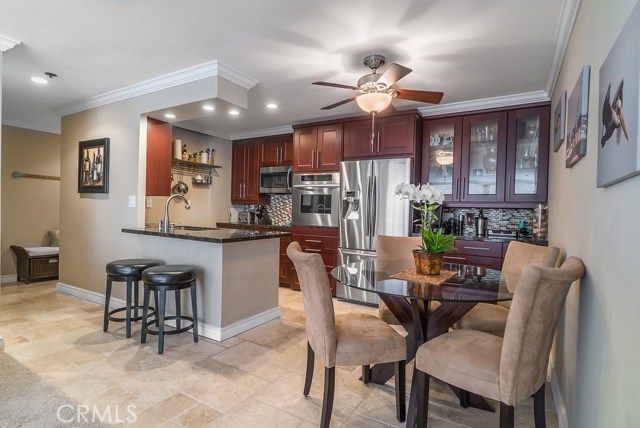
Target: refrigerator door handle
{"x":374,"y":207}
{"x":368,"y":214}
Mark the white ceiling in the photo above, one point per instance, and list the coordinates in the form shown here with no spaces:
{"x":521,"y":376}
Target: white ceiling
{"x":469,"y":49}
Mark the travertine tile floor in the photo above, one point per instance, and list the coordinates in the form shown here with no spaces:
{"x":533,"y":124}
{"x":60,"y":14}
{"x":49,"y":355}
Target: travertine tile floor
{"x":252,"y":380}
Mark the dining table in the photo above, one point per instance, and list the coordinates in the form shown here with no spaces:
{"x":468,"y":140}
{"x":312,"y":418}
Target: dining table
{"x":426,"y":306}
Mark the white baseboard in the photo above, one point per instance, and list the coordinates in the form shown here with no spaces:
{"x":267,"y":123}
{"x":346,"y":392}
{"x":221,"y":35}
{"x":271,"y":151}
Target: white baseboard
{"x":206,"y":330}
{"x":558,"y":400}
{"x":1,"y":343}
{"x":8,"y":278}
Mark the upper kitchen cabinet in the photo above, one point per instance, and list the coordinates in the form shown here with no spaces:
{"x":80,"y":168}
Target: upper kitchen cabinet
{"x":496,"y":159}
{"x":317,"y":148}
{"x":392,"y":136}
{"x":158,"y":174}
{"x":442,"y":153}
{"x":276,"y":150}
{"x":483,"y":160}
{"x":245,"y":172}
{"x":528,"y":155}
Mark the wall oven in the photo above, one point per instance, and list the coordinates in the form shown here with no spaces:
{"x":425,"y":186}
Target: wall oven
{"x":316,"y":199}
{"x":275,"y":179}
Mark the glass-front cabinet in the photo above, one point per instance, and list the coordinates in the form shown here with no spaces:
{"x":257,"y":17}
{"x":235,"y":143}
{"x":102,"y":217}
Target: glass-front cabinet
{"x":442,"y":146}
{"x":490,"y":159}
{"x":528,"y":155}
{"x":483,"y":160}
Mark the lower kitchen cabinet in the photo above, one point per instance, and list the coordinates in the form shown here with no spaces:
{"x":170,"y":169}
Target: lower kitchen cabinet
{"x":321,"y":240}
{"x":478,"y":253}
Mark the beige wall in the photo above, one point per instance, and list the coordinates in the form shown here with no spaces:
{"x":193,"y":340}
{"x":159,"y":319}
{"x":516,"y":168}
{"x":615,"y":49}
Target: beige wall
{"x":598,"y":346}
{"x":91,"y":223}
{"x":209,"y":203}
{"x":30,"y":207}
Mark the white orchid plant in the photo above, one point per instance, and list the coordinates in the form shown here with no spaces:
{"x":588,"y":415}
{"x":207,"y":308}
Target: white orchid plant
{"x":427,"y":199}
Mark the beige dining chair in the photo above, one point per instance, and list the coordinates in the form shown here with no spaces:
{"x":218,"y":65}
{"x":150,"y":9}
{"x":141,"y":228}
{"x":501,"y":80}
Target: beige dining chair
{"x":393,"y":254}
{"x":507,"y":369}
{"x":350,"y":339}
{"x":492,"y":318}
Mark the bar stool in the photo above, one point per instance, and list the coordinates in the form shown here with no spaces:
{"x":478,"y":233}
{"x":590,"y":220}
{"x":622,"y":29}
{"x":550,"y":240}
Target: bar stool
{"x":129,"y":271}
{"x":161,"y":279}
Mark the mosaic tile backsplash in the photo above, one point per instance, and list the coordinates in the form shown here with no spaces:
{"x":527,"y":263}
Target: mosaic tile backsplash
{"x":279,"y":210}
{"x":503,"y":219}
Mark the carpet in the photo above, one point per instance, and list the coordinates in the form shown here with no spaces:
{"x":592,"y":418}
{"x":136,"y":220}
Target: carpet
{"x":28,"y":401}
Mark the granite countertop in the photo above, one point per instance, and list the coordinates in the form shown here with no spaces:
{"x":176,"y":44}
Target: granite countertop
{"x":217,"y":236}
{"x":498,"y":239}
{"x":254,"y":226}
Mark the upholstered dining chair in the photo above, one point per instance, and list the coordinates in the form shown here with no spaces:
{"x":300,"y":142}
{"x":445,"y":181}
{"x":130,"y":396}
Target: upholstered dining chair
{"x":493,"y":318}
{"x":342,"y":340}
{"x":393,"y":254}
{"x":507,"y":369}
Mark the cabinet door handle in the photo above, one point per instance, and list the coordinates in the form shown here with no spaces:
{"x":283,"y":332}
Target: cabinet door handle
{"x":456,"y":188}
{"x":313,"y":240}
{"x":477,"y":248}
{"x":378,"y":144}
{"x":317,"y":159}
{"x":464,"y":186}
{"x":455,"y":258}
{"x":313,"y":250}
{"x":508,"y":187}
{"x":313,"y":154}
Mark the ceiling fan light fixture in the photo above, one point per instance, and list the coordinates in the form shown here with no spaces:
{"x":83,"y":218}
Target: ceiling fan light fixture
{"x":374,"y":102}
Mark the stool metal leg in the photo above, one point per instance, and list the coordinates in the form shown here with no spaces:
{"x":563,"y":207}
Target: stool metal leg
{"x":128,"y":320}
{"x":145,"y":314}
{"x":160,"y":319}
{"x":194,"y":310}
{"x":178,"y":309}
{"x":135,"y":298}
{"x":107,"y":298}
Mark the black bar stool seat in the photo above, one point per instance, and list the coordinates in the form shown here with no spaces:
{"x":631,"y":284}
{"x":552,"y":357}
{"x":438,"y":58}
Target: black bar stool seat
{"x":161,"y":279}
{"x":129,"y":271}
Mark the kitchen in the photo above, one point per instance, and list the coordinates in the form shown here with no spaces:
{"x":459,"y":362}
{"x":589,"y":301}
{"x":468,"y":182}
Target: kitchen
{"x":593,"y":350}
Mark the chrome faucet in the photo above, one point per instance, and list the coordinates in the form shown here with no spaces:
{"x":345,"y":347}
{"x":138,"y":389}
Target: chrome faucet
{"x":165,"y":222}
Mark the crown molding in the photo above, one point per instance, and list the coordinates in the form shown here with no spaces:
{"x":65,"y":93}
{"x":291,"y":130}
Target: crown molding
{"x":7,"y":43}
{"x":485,"y":103}
{"x":568,"y":17}
{"x":177,"y":78}
{"x":262,"y":133}
{"x":23,"y":125}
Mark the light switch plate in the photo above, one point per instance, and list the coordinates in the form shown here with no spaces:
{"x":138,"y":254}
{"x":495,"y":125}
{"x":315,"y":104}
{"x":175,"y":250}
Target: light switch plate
{"x":132,"y":201}
{"x":148,"y":202}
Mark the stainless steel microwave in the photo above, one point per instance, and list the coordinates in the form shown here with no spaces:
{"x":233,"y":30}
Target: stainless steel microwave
{"x":275,"y":179}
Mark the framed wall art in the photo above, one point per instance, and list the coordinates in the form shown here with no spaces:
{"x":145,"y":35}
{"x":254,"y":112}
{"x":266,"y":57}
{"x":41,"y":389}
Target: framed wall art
{"x":578,"y":119}
{"x":93,"y":166}
{"x":559,"y":121}
{"x":619,"y":90}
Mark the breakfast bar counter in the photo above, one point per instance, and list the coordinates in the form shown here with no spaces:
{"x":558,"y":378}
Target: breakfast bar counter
{"x":237,"y":282}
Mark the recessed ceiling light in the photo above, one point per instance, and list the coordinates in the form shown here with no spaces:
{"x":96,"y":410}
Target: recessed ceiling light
{"x":272,"y":105}
{"x":208,"y":107}
{"x":234,"y":112}
{"x":40,"y":80}
{"x":170,"y":115}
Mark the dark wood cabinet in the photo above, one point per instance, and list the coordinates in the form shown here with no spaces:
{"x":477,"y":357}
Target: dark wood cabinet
{"x":245,"y":171}
{"x":317,"y":148}
{"x":496,"y":159}
{"x":321,"y":240}
{"x":393,"y":136}
{"x":276,"y":150}
{"x":158,"y":174}
{"x":477,"y":253}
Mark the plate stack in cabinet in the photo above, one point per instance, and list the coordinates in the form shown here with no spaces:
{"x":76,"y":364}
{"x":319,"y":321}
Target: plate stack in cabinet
{"x":495,"y":159}
{"x":320,"y":240}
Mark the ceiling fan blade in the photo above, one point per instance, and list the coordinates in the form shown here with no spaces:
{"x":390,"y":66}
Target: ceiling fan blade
{"x":339,"y":103}
{"x":422,"y":96}
{"x":393,"y":73}
{"x":335,"y":85}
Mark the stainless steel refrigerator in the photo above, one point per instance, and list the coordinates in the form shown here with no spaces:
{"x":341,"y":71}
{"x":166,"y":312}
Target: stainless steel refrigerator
{"x":370,"y":207}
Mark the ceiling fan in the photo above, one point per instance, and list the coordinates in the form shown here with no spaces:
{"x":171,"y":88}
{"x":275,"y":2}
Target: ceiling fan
{"x":375,"y":91}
